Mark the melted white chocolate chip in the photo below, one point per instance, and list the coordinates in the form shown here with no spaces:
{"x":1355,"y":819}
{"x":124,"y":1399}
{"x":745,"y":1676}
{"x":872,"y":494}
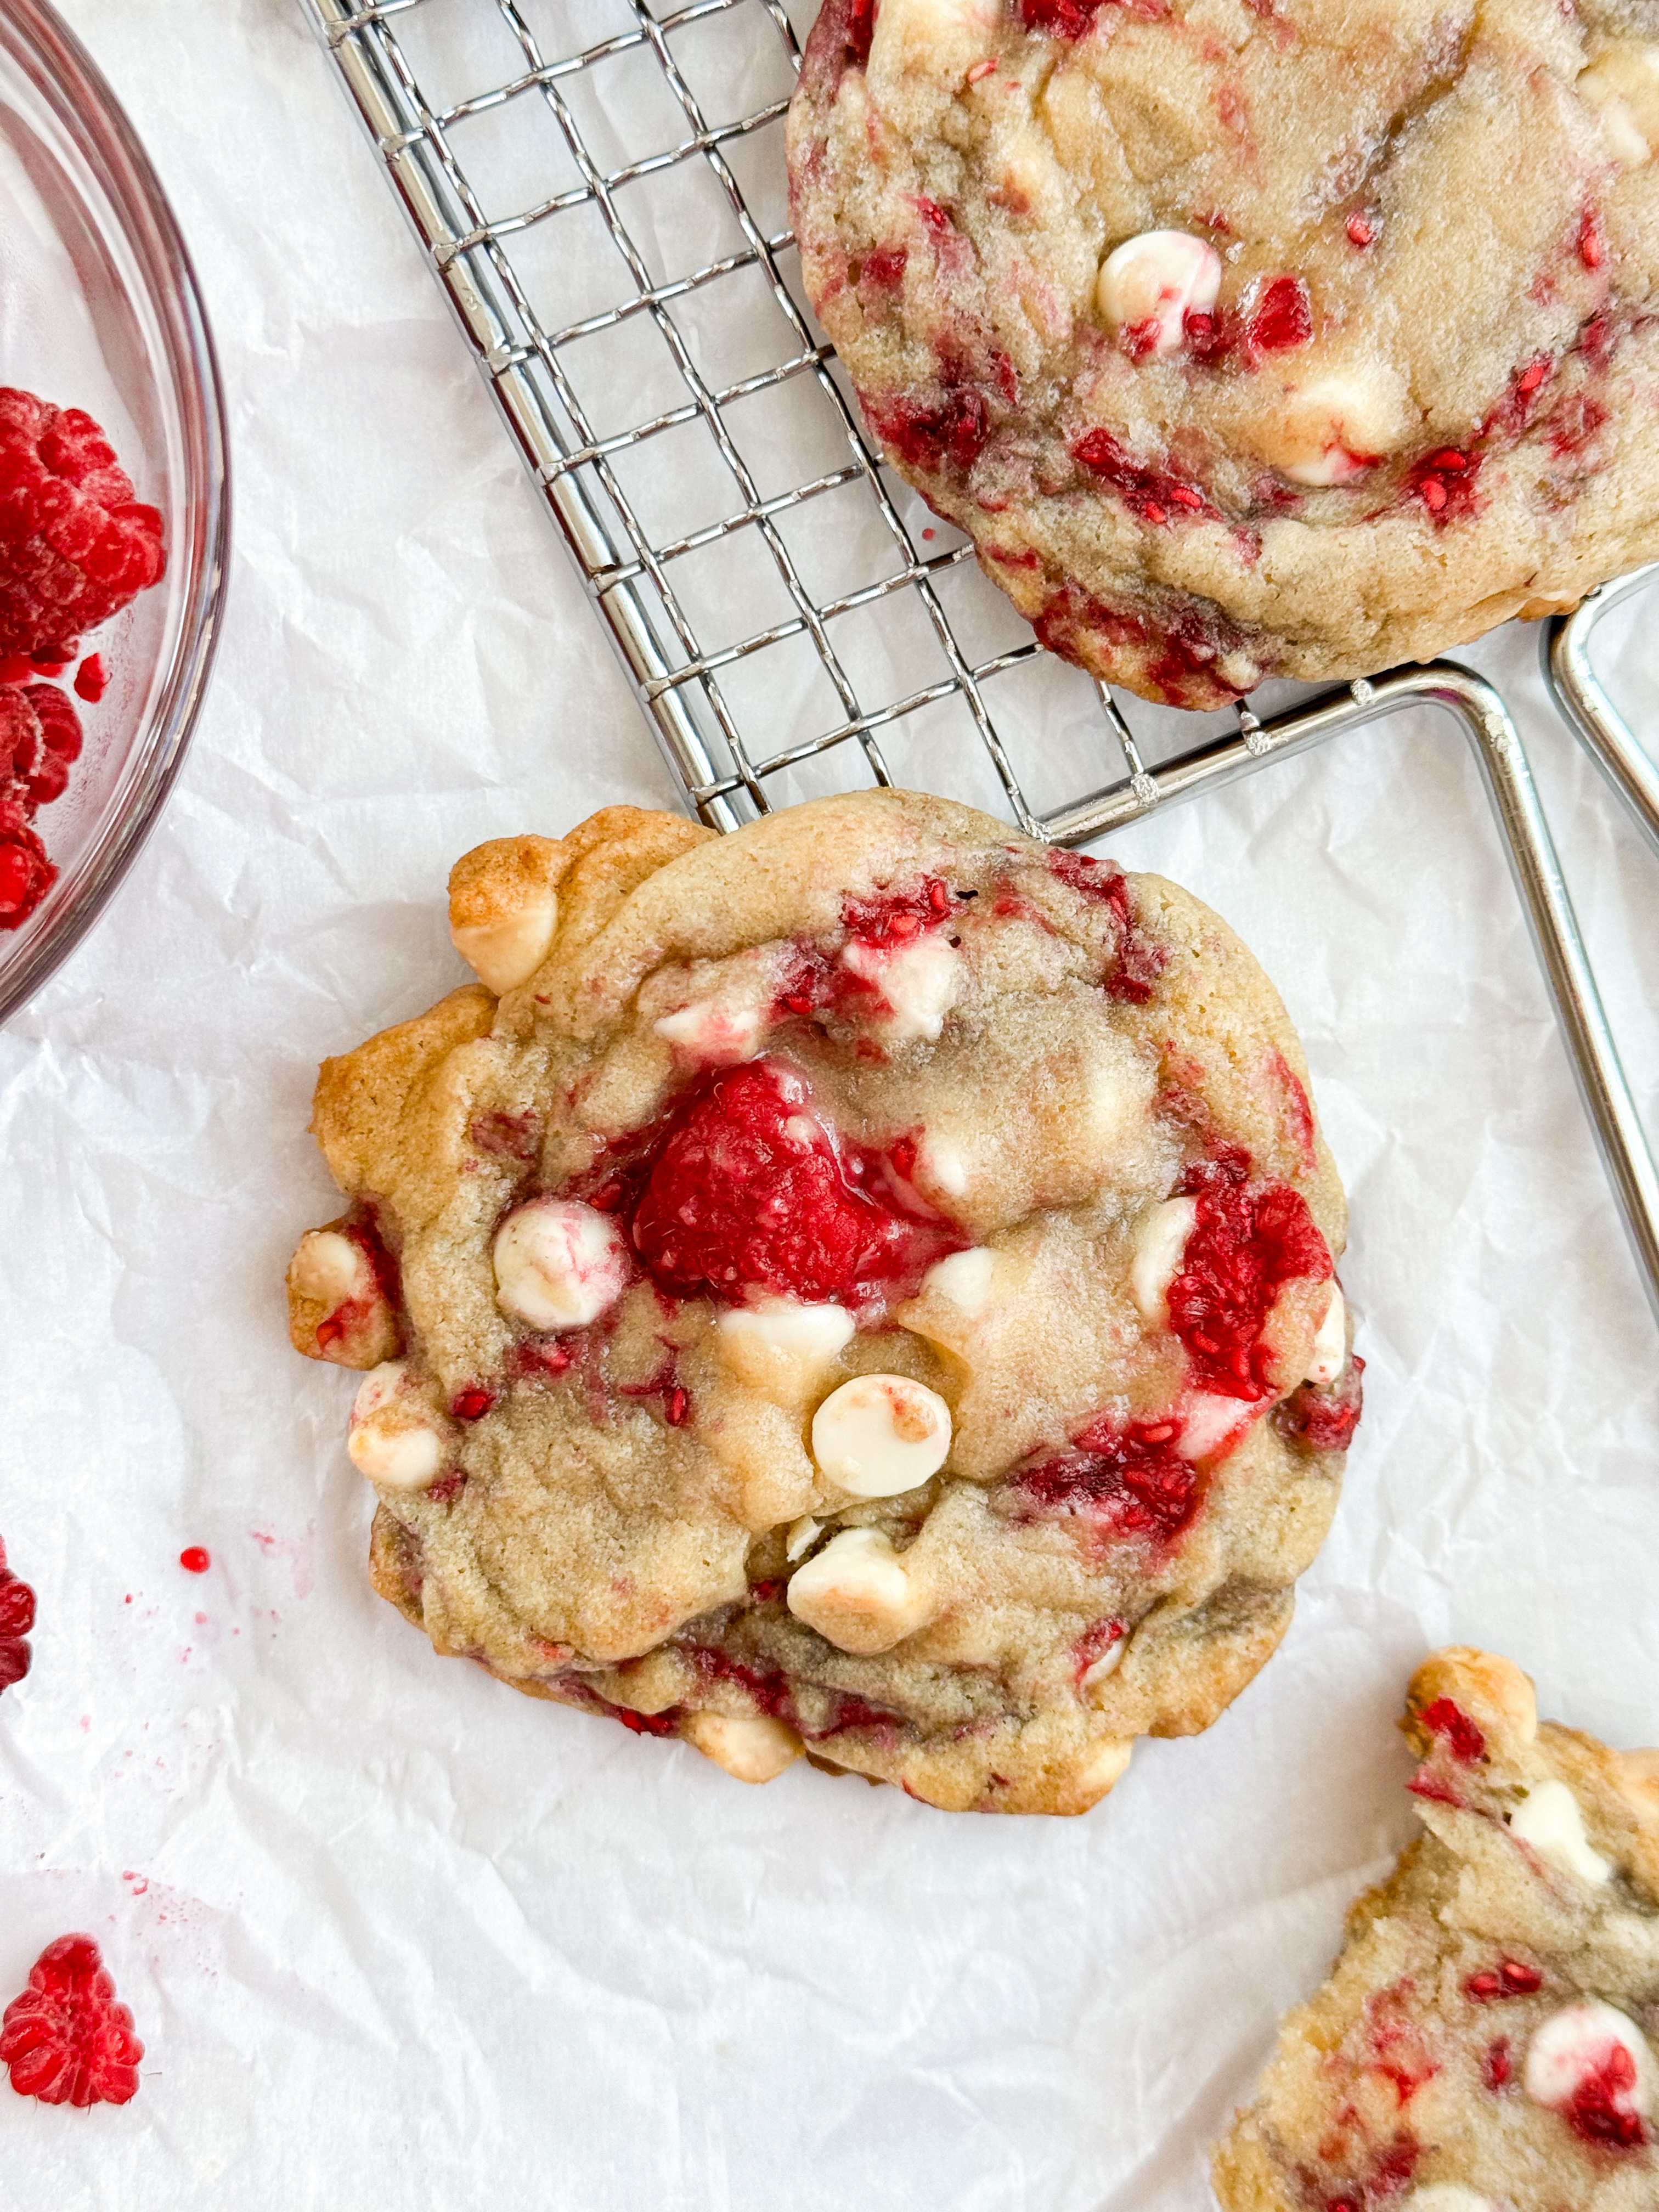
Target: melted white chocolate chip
{"x":1330,"y":1343}
{"x":504,"y":953}
{"x":750,"y":1746}
{"x":857,"y":1594}
{"x":1159,"y":1244}
{"x":919,"y":983}
{"x":709,"y":1032}
{"x":1575,"y":2045}
{"x":880,"y":1435}
{"x":780,"y":1346}
{"x":1551,"y":1820}
{"x":559,"y":1264}
{"x":964,"y":1278}
{"x":1623,"y":86}
{"x":1154,"y":283}
{"x":393,"y":1437}
{"x":329,"y":1267}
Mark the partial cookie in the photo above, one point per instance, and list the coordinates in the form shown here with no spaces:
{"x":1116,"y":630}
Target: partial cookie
{"x":1249,"y":338}
{"x":864,"y":1286}
{"x":1486,"y":2042}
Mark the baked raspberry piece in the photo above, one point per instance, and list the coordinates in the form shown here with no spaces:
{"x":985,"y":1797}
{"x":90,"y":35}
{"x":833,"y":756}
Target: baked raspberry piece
{"x":26,"y":874}
{"x":1484,"y":2043}
{"x":75,"y":545}
{"x":17,"y":1619}
{"x":862,"y":1287}
{"x":66,"y":2039}
{"x":1248,"y":338}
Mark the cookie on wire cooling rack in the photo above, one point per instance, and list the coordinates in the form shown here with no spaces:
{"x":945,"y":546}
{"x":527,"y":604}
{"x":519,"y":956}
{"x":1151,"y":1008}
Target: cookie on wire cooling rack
{"x":1249,"y":338}
{"x":862,"y":1285}
{"x":1486,"y":2042}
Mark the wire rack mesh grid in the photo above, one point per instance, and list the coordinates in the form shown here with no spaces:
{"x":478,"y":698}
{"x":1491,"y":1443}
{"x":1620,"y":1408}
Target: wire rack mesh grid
{"x":600,"y":187}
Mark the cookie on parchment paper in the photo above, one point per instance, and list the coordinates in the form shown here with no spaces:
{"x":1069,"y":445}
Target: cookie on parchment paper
{"x":1249,"y":338}
{"x":863,"y":1285}
{"x":1489,"y":2040}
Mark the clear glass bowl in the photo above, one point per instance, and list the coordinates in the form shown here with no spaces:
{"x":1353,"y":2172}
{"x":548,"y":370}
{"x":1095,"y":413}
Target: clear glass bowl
{"x":100,"y":309}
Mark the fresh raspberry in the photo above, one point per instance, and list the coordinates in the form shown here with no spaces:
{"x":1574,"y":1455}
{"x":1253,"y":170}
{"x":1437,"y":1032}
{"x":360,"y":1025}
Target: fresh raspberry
{"x":26,"y":874}
{"x":75,"y":545}
{"x":91,"y":679}
{"x":750,"y":1191}
{"x":39,"y":738}
{"x":66,"y":2040}
{"x":1244,"y":1246}
{"x":17,"y":1619}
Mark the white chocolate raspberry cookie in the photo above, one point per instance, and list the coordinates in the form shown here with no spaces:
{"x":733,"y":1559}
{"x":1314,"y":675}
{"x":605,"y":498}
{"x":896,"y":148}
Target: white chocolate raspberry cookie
{"x":1249,"y":338}
{"x":864,"y":1286}
{"x":1486,"y":2042}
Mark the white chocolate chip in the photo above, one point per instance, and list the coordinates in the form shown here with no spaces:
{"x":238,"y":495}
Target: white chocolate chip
{"x":1105,"y":1667}
{"x":1327,"y":430}
{"x":1574,"y":2045}
{"x":1330,"y":1343}
{"x":329,"y":1267}
{"x":714,"y":1033}
{"x":782,"y":1348}
{"x":1158,"y":278}
{"x":964,"y":1278}
{"x":942,"y":1161}
{"x":918,"y":983}
{"x":1117,"y":1089}
{"x":1623,"y":84}
{"x":857,"y":1594}
{"x":749,"y":1746}
{"x":1159,"y":1244}
{"x":880,"y":1435}
{"x":505,"y":953}
{"x":1551,"y":1820}
{"x":559,"y":1264}
{"x":1448,"y":2196}
{"x":1209,"y":1424}
{"x":393,"y":1437}
{"x":801,"y":1537}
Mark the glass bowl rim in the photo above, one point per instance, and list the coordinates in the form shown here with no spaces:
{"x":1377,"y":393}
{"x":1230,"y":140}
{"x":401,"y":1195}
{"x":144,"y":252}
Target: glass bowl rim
{"x":70,"y":82}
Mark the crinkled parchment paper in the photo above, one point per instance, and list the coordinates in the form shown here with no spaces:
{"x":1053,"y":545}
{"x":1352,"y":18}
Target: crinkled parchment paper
{"x":396,"y":1937}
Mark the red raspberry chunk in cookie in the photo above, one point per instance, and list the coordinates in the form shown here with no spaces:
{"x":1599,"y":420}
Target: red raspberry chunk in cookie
{"x":1244,"y":1246}
{"x":750,"y":1191}
{"x":1130,"y":1475}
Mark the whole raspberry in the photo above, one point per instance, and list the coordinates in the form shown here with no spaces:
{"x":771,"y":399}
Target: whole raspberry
{"x":17,"y":1619}
{"x":749,"y":1191}
{"x":75,"y":545}
{"x":39,"y":736}
{"x":26,"y":874}
{"x":66,"y":2039}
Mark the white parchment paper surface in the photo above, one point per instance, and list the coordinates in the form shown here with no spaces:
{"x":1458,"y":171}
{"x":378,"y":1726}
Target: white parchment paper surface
{"x":396,"y":1937}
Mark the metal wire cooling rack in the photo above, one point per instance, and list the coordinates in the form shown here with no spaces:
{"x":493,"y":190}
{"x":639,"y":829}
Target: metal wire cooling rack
{"x":599,"y":187}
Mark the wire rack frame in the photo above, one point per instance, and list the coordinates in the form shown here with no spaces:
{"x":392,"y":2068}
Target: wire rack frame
{"x":629,"y":571}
